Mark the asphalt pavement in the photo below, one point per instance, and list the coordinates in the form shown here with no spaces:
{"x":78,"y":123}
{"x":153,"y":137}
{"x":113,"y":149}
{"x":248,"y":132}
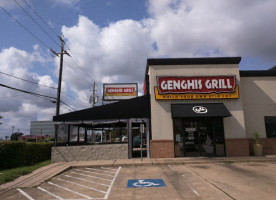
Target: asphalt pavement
{"x":184,"y":178}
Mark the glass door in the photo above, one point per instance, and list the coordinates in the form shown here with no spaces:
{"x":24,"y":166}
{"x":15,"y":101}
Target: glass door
{"x":198,"y":137}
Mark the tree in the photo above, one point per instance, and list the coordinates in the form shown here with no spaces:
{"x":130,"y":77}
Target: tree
{"x":14,"y":136}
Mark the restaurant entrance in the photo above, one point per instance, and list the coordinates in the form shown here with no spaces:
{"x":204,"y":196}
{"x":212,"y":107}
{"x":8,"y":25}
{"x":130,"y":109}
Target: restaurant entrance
{"x":199,"y":137}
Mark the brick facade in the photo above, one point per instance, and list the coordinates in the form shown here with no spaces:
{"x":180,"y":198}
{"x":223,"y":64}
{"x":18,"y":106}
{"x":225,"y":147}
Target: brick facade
{"x":237,"y":147}
{"x":162,"y":148}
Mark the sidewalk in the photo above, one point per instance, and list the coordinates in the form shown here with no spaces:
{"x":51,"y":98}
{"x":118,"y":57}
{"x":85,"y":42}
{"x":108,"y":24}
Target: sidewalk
{"x":42,"y":174}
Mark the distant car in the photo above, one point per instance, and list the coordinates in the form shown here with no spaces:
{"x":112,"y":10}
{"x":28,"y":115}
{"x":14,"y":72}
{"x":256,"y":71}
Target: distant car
{"x":137,"y":141}
{"x":124,"y":139}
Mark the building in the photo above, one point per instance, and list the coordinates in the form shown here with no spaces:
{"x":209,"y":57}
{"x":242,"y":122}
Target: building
{"x":42,"y":128}
{"x":193,"y":107}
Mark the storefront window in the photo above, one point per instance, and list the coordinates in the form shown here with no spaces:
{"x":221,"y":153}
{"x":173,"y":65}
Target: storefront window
{"x":270,"y":125}
{"x":199,"y":137}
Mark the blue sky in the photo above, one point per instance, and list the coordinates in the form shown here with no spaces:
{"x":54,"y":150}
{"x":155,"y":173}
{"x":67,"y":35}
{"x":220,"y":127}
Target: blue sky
{"x":110,"y":41}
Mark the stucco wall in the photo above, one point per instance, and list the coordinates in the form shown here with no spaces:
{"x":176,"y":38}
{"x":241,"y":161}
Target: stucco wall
{"x":89,"y":152}
{"x":259,"y":100}
{"x":162,"y":124}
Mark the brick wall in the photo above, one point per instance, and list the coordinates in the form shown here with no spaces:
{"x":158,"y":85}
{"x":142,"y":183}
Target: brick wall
{"x":237,"y":147}
{"x":162,"y":148}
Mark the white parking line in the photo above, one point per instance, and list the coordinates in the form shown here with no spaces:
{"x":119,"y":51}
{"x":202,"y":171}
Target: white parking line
{"x":50,"y":193}
{"x":25,"y":194}
{"x":91,"y":176}
{"x":109,"y":169}
{"x":111,"y":184}
{"x":81,"y":185}
{"x":97,"y":173}
{"x":82,"y":179}
{"x":193,"y":190}
{"x":100,"y":170}
{"x":64,"y":188}
{"x":171,"y":168}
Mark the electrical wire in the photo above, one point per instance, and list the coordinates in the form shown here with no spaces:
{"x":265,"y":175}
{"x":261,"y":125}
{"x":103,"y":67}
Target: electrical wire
{"x":25,"y":28}
{"x":27,"y":80}
{"x":27,"y":92}
{"x":40,"y":18}
{"x":32,"y":82}
{"x":22,"y":8}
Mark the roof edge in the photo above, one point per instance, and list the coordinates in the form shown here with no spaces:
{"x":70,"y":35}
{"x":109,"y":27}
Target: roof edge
{"x":257,"y":73}
{"x":193,"y":61}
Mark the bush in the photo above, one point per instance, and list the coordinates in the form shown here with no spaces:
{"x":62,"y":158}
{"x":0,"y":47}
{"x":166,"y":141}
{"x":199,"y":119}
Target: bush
{"x":16,"y":154}
{"x":37,"y":152}
{"x":13,"y":154}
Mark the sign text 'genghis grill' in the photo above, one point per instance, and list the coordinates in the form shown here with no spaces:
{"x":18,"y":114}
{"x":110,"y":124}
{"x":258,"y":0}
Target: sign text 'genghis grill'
{"x":119,"y":91}
{"x":203,"y":84}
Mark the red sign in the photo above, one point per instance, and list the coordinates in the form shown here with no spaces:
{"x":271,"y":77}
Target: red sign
{"x":114,"y":90}
{"x":197,"y":84}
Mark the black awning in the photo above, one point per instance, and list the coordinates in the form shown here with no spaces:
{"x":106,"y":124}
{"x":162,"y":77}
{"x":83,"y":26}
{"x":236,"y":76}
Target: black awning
{"x":200,"y":110}
{"x":132,"y":108}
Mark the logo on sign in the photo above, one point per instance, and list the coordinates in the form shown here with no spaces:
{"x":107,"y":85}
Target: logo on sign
{"x":138,"y":183}
{"x":200,"y":109}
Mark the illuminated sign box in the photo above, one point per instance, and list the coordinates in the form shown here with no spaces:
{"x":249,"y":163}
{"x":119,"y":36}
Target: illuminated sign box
{"x":199,"y":87}
{"x":114,"y":92}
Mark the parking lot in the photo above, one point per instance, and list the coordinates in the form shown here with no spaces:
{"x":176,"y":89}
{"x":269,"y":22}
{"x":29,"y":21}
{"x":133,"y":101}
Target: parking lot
{"x":190,"y":181}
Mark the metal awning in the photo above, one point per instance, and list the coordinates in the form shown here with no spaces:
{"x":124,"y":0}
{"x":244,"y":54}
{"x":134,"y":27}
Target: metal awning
{"x":199,"y":110}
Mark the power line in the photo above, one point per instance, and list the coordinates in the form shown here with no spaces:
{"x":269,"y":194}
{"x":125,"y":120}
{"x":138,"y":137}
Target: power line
{"x":40,"y":18}
{"x":36,"y":94}
{"x":25,"y":28}
{"x":35,"y":21}
{"x":32,"y":82}
{"x":27,"y":92}
{"x":27,"y":80}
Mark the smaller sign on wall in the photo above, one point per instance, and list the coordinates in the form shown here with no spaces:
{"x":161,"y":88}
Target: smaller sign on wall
{"x":114,"y":92}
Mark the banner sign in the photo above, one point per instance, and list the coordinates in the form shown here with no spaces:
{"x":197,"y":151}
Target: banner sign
{"x":199,"y":87}
{"x":114,"y":92}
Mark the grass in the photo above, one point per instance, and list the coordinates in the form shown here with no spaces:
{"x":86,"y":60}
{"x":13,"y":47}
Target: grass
{"x":11,"y":174}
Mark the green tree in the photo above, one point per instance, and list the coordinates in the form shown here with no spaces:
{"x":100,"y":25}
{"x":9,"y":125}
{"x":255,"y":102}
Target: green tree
{"x":14,"y":136}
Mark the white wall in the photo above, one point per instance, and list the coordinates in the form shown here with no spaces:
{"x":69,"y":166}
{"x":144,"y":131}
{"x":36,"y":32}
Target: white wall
{"x":259,"y":100}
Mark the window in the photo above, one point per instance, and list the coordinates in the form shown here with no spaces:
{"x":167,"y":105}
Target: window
{"x":270,"y":125}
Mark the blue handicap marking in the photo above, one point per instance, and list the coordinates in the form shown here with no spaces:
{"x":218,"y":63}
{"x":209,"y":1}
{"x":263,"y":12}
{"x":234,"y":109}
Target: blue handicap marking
{"x":138,"y":183}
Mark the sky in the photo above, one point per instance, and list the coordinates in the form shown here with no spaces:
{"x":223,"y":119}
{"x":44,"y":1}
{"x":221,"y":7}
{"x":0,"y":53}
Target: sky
{"x":109,"y":41}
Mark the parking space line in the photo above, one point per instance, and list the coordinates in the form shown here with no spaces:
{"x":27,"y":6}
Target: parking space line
{"x":90,"y":176}
{"x":82,"y":179}
{"x":98,"y":173}
{"x":64,"y":188}
{"x":50,"y":193}
{"x":100,"y":170}
{"x":111,"y":184}
{"x":109,"y":169}
{"x":171,"y":168}
{"x":191,"y":188}
{"x":25,"y":194}
{"x":94,"y":176}
{"x":81,"y":185}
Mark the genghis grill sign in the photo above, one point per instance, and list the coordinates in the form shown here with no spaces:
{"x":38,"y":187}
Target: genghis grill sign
{"x":199,"y":87}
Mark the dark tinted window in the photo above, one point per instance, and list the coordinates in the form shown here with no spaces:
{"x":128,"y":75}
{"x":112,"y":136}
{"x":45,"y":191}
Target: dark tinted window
{"x":270,"y":124}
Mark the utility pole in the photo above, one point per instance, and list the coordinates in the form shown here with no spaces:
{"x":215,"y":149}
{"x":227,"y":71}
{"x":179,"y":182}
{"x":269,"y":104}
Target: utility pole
{"x":93,"y":98}
{"x":62,"y":51}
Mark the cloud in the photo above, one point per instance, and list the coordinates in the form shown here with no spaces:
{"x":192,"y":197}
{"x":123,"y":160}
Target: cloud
{"x":17,"y":108}
{"x":214,"y":28}
{"x":116,"y":53}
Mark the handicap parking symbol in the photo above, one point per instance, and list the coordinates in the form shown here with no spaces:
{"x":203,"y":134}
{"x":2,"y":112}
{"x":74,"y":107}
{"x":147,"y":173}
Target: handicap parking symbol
{"x":138,"y":183}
